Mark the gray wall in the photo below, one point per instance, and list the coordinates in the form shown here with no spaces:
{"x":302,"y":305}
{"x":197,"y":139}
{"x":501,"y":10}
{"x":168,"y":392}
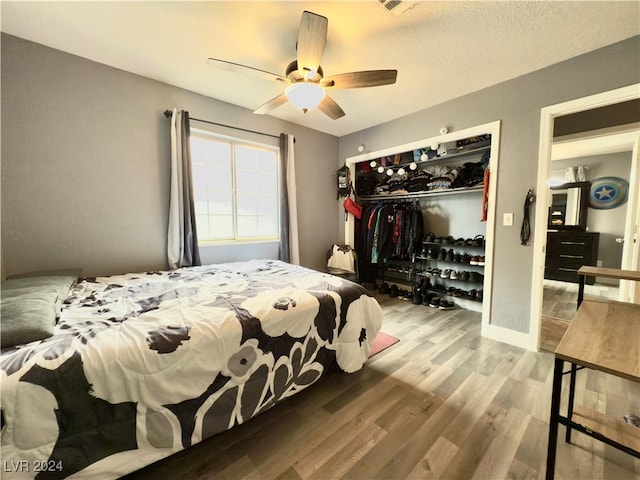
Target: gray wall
{"x":611,"y":222}
{"x":85,"y":166}
{"x":517,"y":104}
{"x":85,"y":160}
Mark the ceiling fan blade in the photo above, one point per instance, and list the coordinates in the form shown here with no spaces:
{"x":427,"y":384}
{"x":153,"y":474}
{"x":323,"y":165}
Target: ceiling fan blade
{"x":271,"y":104}
{"x":367,"y":78}
{"x":331,"y":108}
{"x":312,"y":37}
{"x":239,"y":68}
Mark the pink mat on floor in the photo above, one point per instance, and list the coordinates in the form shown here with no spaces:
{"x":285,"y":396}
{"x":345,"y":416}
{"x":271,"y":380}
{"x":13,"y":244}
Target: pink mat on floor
{"x":381,"y":342}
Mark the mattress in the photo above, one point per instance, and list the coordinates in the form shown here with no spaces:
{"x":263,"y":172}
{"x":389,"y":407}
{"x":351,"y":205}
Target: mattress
{"x":143,"y":365}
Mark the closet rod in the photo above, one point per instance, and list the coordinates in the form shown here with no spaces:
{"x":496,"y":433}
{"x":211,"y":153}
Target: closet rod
{"x":168,"y":113}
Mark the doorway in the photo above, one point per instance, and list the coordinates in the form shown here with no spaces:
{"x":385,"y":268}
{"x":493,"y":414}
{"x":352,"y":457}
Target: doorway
{"x":548,"y":149}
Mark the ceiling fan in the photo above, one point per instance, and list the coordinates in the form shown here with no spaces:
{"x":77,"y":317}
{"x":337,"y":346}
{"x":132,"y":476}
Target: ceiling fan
{"x":304,"y":77}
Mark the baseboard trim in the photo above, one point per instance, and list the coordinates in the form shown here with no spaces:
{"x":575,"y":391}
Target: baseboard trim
{"x":505,"y":335}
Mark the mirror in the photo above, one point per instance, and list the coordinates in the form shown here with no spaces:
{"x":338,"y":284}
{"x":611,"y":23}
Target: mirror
{"x":568,"y":206}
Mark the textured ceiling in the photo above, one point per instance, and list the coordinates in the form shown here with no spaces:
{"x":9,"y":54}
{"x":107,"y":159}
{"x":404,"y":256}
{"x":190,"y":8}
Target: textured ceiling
{"x":441,"y":50}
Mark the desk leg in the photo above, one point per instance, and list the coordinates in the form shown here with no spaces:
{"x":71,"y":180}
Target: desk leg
{"x":581,"y":289}
{"x":554,"y":418}
{"x":572,"y":394}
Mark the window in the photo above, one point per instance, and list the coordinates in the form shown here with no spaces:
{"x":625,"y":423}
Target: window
{"x":235,"y":188}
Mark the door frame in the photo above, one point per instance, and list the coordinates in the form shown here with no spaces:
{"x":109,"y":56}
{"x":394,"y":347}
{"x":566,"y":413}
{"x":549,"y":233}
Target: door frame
{"x":547,"y":117}
{"x":629,"y":290}
{"x":493,"y":129}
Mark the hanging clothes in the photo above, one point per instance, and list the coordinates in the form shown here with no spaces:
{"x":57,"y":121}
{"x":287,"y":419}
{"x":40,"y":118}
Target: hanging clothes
{"x":485,"y":196}
{"x":389,"y":230}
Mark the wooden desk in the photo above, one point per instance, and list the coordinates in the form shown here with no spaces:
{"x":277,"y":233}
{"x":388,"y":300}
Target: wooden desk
{"x":604,"y":335}
{"x":587,"y":271}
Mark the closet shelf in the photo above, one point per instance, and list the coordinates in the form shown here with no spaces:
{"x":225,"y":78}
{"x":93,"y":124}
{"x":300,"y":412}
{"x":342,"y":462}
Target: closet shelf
{"x":453,"y":156}
{"x":426,"y":193}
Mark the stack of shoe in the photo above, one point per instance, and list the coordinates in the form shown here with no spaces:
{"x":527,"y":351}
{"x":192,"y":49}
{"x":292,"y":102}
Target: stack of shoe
{"x":477,"y":260}
{"x":441,"y":303}
{"x":427,"y":296}
{"x":446,"y":305}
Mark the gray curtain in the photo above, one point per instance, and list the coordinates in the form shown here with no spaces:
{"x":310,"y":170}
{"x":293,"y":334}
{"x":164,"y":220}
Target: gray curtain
{"x":182,"y":244}
{"x":289,"y":251}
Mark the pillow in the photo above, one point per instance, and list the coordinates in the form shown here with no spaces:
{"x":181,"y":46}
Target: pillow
{"x":29,"y":307}
{"x":28,"y":317}
{"x":15,"y":287}
{"x":60,"y":272}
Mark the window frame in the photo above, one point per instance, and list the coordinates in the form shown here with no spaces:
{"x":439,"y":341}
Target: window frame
{"x":242,"y":142}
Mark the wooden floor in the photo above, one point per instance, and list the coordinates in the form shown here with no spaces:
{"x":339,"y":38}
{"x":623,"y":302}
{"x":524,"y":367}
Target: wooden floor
{"x":560,"y":299}
{"x":443,"y":403}
{"x":551,"y":332}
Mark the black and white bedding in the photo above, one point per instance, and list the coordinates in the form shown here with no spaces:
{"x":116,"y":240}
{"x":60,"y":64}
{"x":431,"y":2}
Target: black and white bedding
{"x":141,"y":366}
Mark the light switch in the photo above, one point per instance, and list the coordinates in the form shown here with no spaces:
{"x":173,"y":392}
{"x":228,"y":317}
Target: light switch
{"x":507,"y":219}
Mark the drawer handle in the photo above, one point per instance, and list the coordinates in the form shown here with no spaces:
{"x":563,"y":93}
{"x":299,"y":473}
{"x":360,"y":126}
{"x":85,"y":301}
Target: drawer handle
{"x":567,"y":269}
{"x":571,"y":256}
{"x":573,"y":243}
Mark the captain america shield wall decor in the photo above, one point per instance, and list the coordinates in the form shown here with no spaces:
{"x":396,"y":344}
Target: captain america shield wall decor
{"x":608,"y":192}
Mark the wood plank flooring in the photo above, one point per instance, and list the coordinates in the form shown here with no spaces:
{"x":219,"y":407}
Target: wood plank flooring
{"x":443,"y":403}
{"x":551,"y":332}
{"x":560,"y":299}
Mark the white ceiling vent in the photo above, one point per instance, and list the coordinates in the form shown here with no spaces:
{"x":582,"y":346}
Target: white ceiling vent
{"x":397,"y":6}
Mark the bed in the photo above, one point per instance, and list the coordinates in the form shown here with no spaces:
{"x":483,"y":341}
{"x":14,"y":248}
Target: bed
{"x":140,"y":366}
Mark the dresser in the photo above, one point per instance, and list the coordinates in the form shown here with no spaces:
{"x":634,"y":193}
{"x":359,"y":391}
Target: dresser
{"x":567,"y":251}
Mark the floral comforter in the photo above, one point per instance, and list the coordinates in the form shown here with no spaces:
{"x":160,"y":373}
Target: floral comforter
{"x":144,"y":365}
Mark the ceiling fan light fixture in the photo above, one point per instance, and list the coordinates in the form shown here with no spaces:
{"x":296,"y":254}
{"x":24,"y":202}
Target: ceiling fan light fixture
{"x":305,"y":96}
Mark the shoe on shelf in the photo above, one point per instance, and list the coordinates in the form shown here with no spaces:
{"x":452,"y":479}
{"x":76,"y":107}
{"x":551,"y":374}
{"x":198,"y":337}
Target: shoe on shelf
{"x":449,"y":240}
{"x":475,"y":277}
{"x":446,"y":273}
{"x":478,"y":241}
{"x":429,"y":237}
{"x":442,"y":255}
{"x":466,"y":258}
{"x":481,"y":261}
{"x":449,"y":256}
{"x":479,"y":295}
{"x":472,"y":294}
{"x":464,"y":276}
{"x":474,"y":260}
{"x":432,"y":253}
{"x":446,"y":305}
{"x":455,"y":275}
{"x":438,"y":287}
{"x":460,"y":242}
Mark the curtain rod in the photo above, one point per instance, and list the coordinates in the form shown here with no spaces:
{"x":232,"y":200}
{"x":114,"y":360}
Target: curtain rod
{"x":168,"y":113}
